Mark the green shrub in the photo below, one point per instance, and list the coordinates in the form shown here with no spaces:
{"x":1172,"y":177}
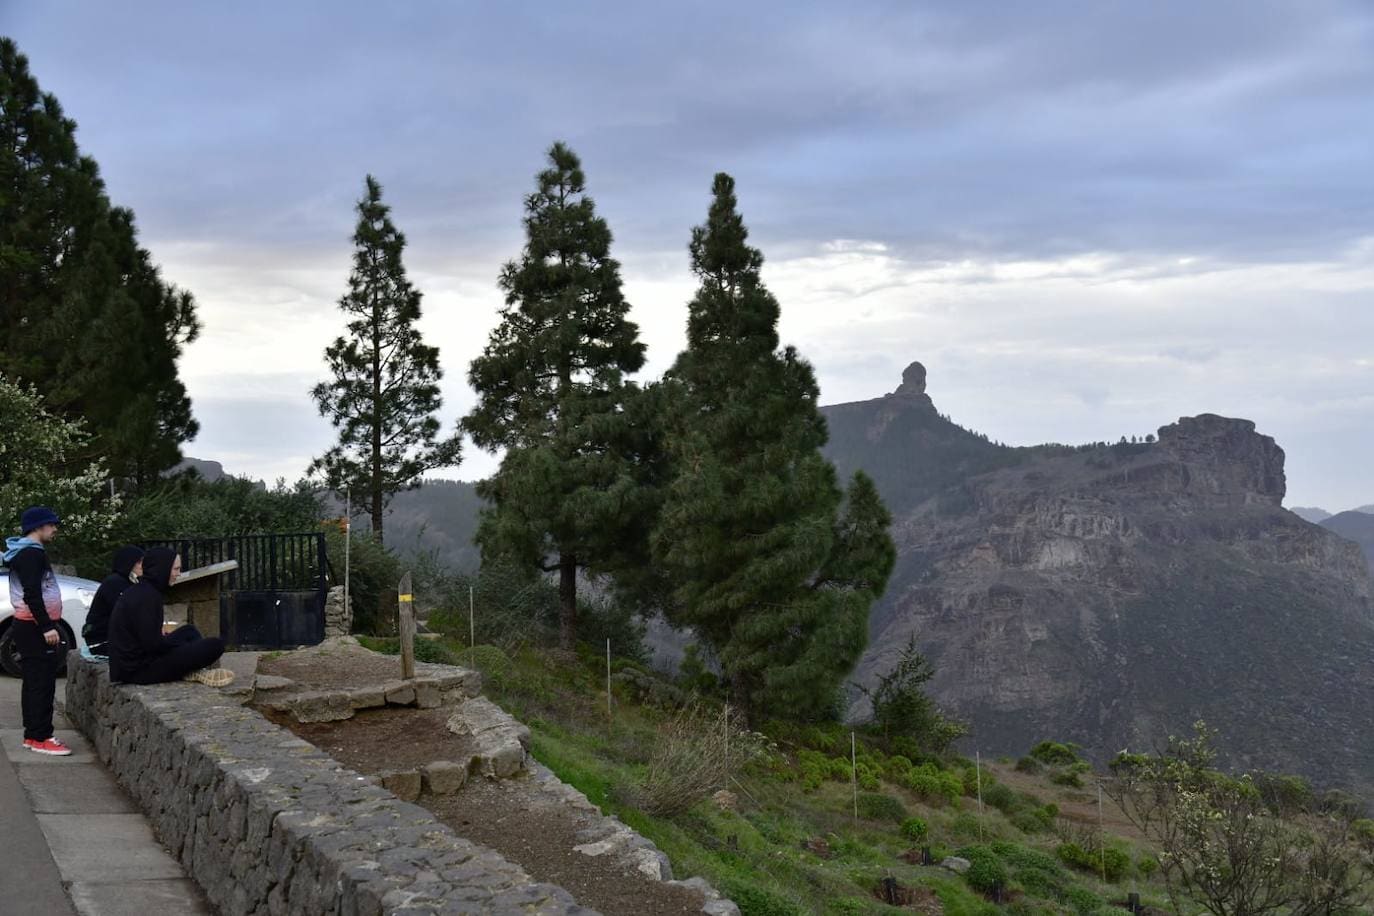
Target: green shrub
{"x":986,"y":872}
{"x":879,"y":807}
{"x":1029,"y":765}
{"x":426,"y":650}
{"x":1055,"y":754}
{"x":1067,"y":778}
{"x":1000,"y":796}
{"x":897,"y":768}
{"x":915,"y":829}
{"x":1112,"y":862}
{"x":753,"y":900}
{"x":933,"y":784}
{"x":1082,"y":901}
{"x":1147,"y":866}
{"x":965,"y":825}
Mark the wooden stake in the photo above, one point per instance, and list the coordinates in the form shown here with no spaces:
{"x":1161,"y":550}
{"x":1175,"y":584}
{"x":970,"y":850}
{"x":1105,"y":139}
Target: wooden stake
{"x":608,"y":678}
{"x":406,"y":600}
{"x":854,"y":773}
{"x":1101,"y":831}
{"x":472,"y":620}
{"x":978,"y":773}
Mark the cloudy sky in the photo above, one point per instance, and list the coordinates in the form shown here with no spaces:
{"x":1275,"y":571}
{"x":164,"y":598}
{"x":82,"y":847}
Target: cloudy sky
{"x":1087,"y":220}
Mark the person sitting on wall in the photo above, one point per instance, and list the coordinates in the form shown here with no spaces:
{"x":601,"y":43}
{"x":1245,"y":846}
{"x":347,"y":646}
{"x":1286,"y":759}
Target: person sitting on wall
{"x":127,"y":567}
{"x":139,"y":651}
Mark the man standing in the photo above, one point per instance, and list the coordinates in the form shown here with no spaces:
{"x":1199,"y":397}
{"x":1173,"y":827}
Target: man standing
{"x":37,"y":606}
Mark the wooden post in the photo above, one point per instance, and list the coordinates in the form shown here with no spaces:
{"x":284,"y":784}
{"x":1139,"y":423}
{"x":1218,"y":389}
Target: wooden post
{"x":978,"y":774}
{"x":608,"y":678}
{"x":854,"y":773}
{"x":406,"y":601}
{"x":472,"y":619}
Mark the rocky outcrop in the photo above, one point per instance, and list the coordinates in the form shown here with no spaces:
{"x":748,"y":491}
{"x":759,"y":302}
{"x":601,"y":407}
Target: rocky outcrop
{"x":1113,"y":594}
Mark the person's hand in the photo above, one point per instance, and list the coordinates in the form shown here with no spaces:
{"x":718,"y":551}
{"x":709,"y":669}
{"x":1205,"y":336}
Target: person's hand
{"x":52,"y":637}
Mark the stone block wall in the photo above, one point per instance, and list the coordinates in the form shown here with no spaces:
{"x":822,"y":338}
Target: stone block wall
{"x":266,"y":823}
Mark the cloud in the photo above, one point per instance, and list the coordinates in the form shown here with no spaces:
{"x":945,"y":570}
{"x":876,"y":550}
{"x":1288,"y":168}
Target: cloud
{"x":1087,"y":220}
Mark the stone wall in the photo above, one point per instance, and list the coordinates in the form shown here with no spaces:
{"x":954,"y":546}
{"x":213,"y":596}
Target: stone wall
{"x":338,"y":614}
{"x":266,"y":823}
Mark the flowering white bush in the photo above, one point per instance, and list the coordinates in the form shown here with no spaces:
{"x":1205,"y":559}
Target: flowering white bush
{"x":41,"y":464}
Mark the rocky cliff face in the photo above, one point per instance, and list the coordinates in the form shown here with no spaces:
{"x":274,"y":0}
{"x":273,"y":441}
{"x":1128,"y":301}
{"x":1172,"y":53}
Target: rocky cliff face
{"x":1112,"y":595}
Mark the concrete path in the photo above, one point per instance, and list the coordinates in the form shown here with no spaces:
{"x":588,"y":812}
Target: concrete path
{"x":73,"y":842}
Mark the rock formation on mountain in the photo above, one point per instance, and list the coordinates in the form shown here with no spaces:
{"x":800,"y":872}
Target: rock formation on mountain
{"x":1110,"y":595}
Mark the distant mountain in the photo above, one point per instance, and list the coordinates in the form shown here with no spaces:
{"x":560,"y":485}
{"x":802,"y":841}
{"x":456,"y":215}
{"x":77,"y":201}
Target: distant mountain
{"x":1110,"y":595}
{"x":210,"y":471}
{"x":1356,"y":525}
{"x":1310,"y":514}
{"x":440,"y":517}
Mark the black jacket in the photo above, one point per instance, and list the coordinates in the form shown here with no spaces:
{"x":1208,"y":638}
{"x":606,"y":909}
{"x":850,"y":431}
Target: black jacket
{"x":136,"y":624}
{"x":97,"y":628}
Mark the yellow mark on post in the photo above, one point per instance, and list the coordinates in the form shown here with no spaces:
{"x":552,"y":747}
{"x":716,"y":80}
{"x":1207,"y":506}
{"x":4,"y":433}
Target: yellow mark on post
{"x":406,"y":597}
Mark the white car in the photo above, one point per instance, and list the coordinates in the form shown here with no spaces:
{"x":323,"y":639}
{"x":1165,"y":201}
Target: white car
{"x":77,"y":595}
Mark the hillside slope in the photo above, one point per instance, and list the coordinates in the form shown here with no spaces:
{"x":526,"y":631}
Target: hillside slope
{"x":1356,"y":525}
{"x":1111,"y":595}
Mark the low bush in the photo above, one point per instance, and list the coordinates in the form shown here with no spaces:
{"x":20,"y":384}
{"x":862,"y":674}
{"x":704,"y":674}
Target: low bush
{"x":986,"y":872}
{"x":915,"y":829}
{"x":934,"y":785}
{"x":696,"y":753}
{"x":999,"y":796}
{"x":1055,"y":754}
{"x":754,"y":900}
{"x":1112,"y":863}
{"x":879,"y":807}
{"x":1082,"y":901}
{"x":1029,"y":765}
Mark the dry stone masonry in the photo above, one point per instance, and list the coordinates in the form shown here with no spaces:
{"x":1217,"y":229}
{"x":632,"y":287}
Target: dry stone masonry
{"x":266,"y":823}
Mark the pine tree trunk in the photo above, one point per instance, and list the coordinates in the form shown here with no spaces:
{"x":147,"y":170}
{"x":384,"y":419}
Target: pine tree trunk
{"x":741,"y":695}
{"x":567,"y":601}
{"x":377,"y":424}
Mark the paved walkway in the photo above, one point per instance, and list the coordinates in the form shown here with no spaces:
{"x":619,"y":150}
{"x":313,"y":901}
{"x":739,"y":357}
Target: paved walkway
{"x":73,"y":841}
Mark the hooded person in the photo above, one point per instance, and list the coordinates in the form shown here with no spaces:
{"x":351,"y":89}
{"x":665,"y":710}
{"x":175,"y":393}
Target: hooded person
{"x":124,"y":572}
{"x":37,"y":603}
{"x":139,"y":651}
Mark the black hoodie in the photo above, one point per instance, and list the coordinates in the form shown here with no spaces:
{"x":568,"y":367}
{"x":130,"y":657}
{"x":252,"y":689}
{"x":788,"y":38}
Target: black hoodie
{"x":97,"y":627}
{"x":136,"y":624}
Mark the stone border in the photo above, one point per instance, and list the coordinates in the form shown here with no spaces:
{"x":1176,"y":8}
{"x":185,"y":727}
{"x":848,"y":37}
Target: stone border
{"x":266,"y":823}
{"x":430,"y":689}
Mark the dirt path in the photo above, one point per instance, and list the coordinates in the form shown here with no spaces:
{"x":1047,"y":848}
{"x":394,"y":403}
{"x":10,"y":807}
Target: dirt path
{"x":540,"y":837}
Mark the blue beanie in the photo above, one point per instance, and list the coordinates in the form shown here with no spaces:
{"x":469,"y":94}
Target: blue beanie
{"x":37,"y":517}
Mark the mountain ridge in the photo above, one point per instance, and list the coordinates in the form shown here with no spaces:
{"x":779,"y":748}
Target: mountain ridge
{"x":1112,"y":594}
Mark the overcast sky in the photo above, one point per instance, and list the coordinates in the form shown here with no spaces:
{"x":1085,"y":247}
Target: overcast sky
{"x":1087,"y":220}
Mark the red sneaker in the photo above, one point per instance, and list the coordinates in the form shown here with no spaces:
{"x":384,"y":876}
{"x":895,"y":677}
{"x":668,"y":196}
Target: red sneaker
{"x":53,"y":747}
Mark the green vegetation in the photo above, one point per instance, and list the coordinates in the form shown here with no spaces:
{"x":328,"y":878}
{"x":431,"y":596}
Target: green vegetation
{"x":772,"y":566}
{"x":788,"y":840}
{"x":385,"y":386}
{"x":87,"y":319}
{"x":552,"y":393}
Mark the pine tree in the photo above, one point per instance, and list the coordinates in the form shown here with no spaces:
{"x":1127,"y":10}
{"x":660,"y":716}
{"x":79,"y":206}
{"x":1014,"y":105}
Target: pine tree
{"x":385,"y":390}
{"x":552,"y":393}
{"x":764,"y":566}
{"x":86,"y":319}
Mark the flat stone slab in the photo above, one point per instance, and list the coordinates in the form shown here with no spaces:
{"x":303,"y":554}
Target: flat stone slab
{"x":140,"y":898}
{"x":106,"y":847}
{"x":500,"y":742}
{"x":13,"y":741}
{"x":81,"y":788}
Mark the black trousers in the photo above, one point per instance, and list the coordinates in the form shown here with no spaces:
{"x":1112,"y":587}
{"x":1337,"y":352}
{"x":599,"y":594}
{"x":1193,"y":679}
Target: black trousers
{"x":192,"y":652}
{"x":38,"y":662}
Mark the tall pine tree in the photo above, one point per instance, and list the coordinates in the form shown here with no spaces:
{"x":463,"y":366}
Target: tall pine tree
{"x":769,"y":564}
{"x":85,"y":317}
{"x":552,"y":393}
{"x":385,"y":390}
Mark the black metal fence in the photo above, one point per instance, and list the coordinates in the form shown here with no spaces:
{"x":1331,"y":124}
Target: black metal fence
{"x":277,"y":594}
